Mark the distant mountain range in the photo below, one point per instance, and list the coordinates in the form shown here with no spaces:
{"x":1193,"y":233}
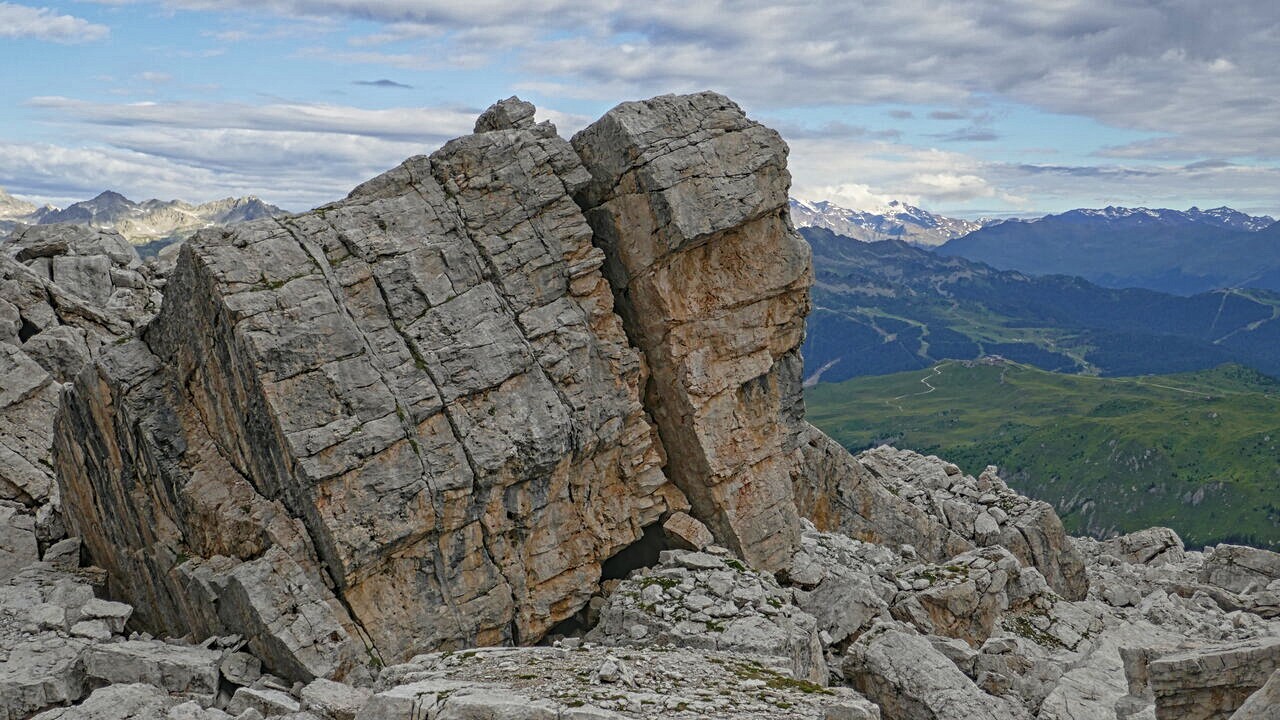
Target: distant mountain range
{"x":887,"y":306}
{"x":140,"y":223}
{"x":892,"y":221}
{"x":1181,"y":252}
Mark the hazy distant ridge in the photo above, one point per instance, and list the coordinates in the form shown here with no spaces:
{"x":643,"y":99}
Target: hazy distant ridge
{"x":1182,"y":252}
{"x":140,"y":222}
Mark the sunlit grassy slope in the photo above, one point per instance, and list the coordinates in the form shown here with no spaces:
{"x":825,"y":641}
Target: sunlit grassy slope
{"x":1194,"y":451}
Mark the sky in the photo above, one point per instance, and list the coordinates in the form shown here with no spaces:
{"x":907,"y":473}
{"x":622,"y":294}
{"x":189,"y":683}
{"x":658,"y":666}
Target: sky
{"x":966,"y":107}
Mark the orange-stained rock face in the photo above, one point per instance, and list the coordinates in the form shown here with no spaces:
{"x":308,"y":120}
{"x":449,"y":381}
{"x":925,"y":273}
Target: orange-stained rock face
{"x":688,"y":199}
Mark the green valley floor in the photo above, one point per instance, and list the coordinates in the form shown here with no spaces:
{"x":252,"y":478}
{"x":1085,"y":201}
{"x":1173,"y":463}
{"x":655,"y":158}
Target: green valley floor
{"x":1196,"y":451}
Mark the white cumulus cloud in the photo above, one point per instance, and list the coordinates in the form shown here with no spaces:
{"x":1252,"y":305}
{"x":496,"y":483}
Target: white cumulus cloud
{"x":22,"y":21}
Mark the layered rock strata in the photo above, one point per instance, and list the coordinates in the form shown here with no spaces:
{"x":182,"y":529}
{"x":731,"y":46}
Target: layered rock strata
{"x":687,"y":198}
{"x":1204,"y":683}
{"x":1261,"y":704}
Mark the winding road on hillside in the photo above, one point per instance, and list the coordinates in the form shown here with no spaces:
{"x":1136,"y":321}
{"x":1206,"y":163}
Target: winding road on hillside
{"x":937,"y":370}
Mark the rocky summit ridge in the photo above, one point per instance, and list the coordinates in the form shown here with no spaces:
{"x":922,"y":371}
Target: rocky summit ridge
{"x":515,"y":430}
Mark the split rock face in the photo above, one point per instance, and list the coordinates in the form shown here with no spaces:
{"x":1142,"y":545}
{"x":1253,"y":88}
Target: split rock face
{"x":412,"y":419}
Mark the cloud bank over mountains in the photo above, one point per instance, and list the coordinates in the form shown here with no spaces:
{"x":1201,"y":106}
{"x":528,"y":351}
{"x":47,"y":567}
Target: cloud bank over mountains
{"x":935,"y":102}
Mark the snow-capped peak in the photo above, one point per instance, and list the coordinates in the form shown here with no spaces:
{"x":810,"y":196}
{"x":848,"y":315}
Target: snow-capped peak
{"x":139,"y":222}
{"x":1224,"y":217}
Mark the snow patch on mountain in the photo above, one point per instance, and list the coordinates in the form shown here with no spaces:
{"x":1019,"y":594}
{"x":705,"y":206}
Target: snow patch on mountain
{"x":1223,"y":217}
{"x":893,"y":220}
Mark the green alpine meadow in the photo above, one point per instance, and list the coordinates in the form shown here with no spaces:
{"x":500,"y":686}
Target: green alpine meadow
{"x":1194,"y":451}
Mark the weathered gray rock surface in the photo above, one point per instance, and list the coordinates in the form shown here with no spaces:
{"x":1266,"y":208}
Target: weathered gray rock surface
{"x":117,"y":702}
{"x":1210,"y":682}
{"x":1238,"y":568}
{"x":845,"y":584}
{"x":59,"y":643}
{"x":404,"y":403}
{"x":584,"y":681}
{"x":1263,"y":704}
{"x":965,"y":597}
{"x":417,"y":411}
{"x":909,"y":679}
{"x":1153,"y":546}
{"x":99,"y":267}
{"x":900,"y":497}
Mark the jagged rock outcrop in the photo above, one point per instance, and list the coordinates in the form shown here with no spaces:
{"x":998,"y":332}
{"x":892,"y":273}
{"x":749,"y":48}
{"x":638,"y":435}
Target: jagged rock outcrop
{"x":839,"y":495}
{"x":416,"y":411}
{"x":529,"y":389}
{"x":963,"y":598}
{"x":66,"y":294}
{"x":1153,"y":546}
{"x":58,"y":642}
{"x":1044,"y":654}
{"x":688,"y":199}
{"x":910,"y":679}
{"x":1175,"y":617}
{"x":98,"y":266}
{"x":1240,"y":569}
{"x":845,"y":584}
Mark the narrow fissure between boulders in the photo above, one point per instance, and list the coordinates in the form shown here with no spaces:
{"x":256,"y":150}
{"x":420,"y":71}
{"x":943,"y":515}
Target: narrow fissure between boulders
{"x":27,"y":331}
